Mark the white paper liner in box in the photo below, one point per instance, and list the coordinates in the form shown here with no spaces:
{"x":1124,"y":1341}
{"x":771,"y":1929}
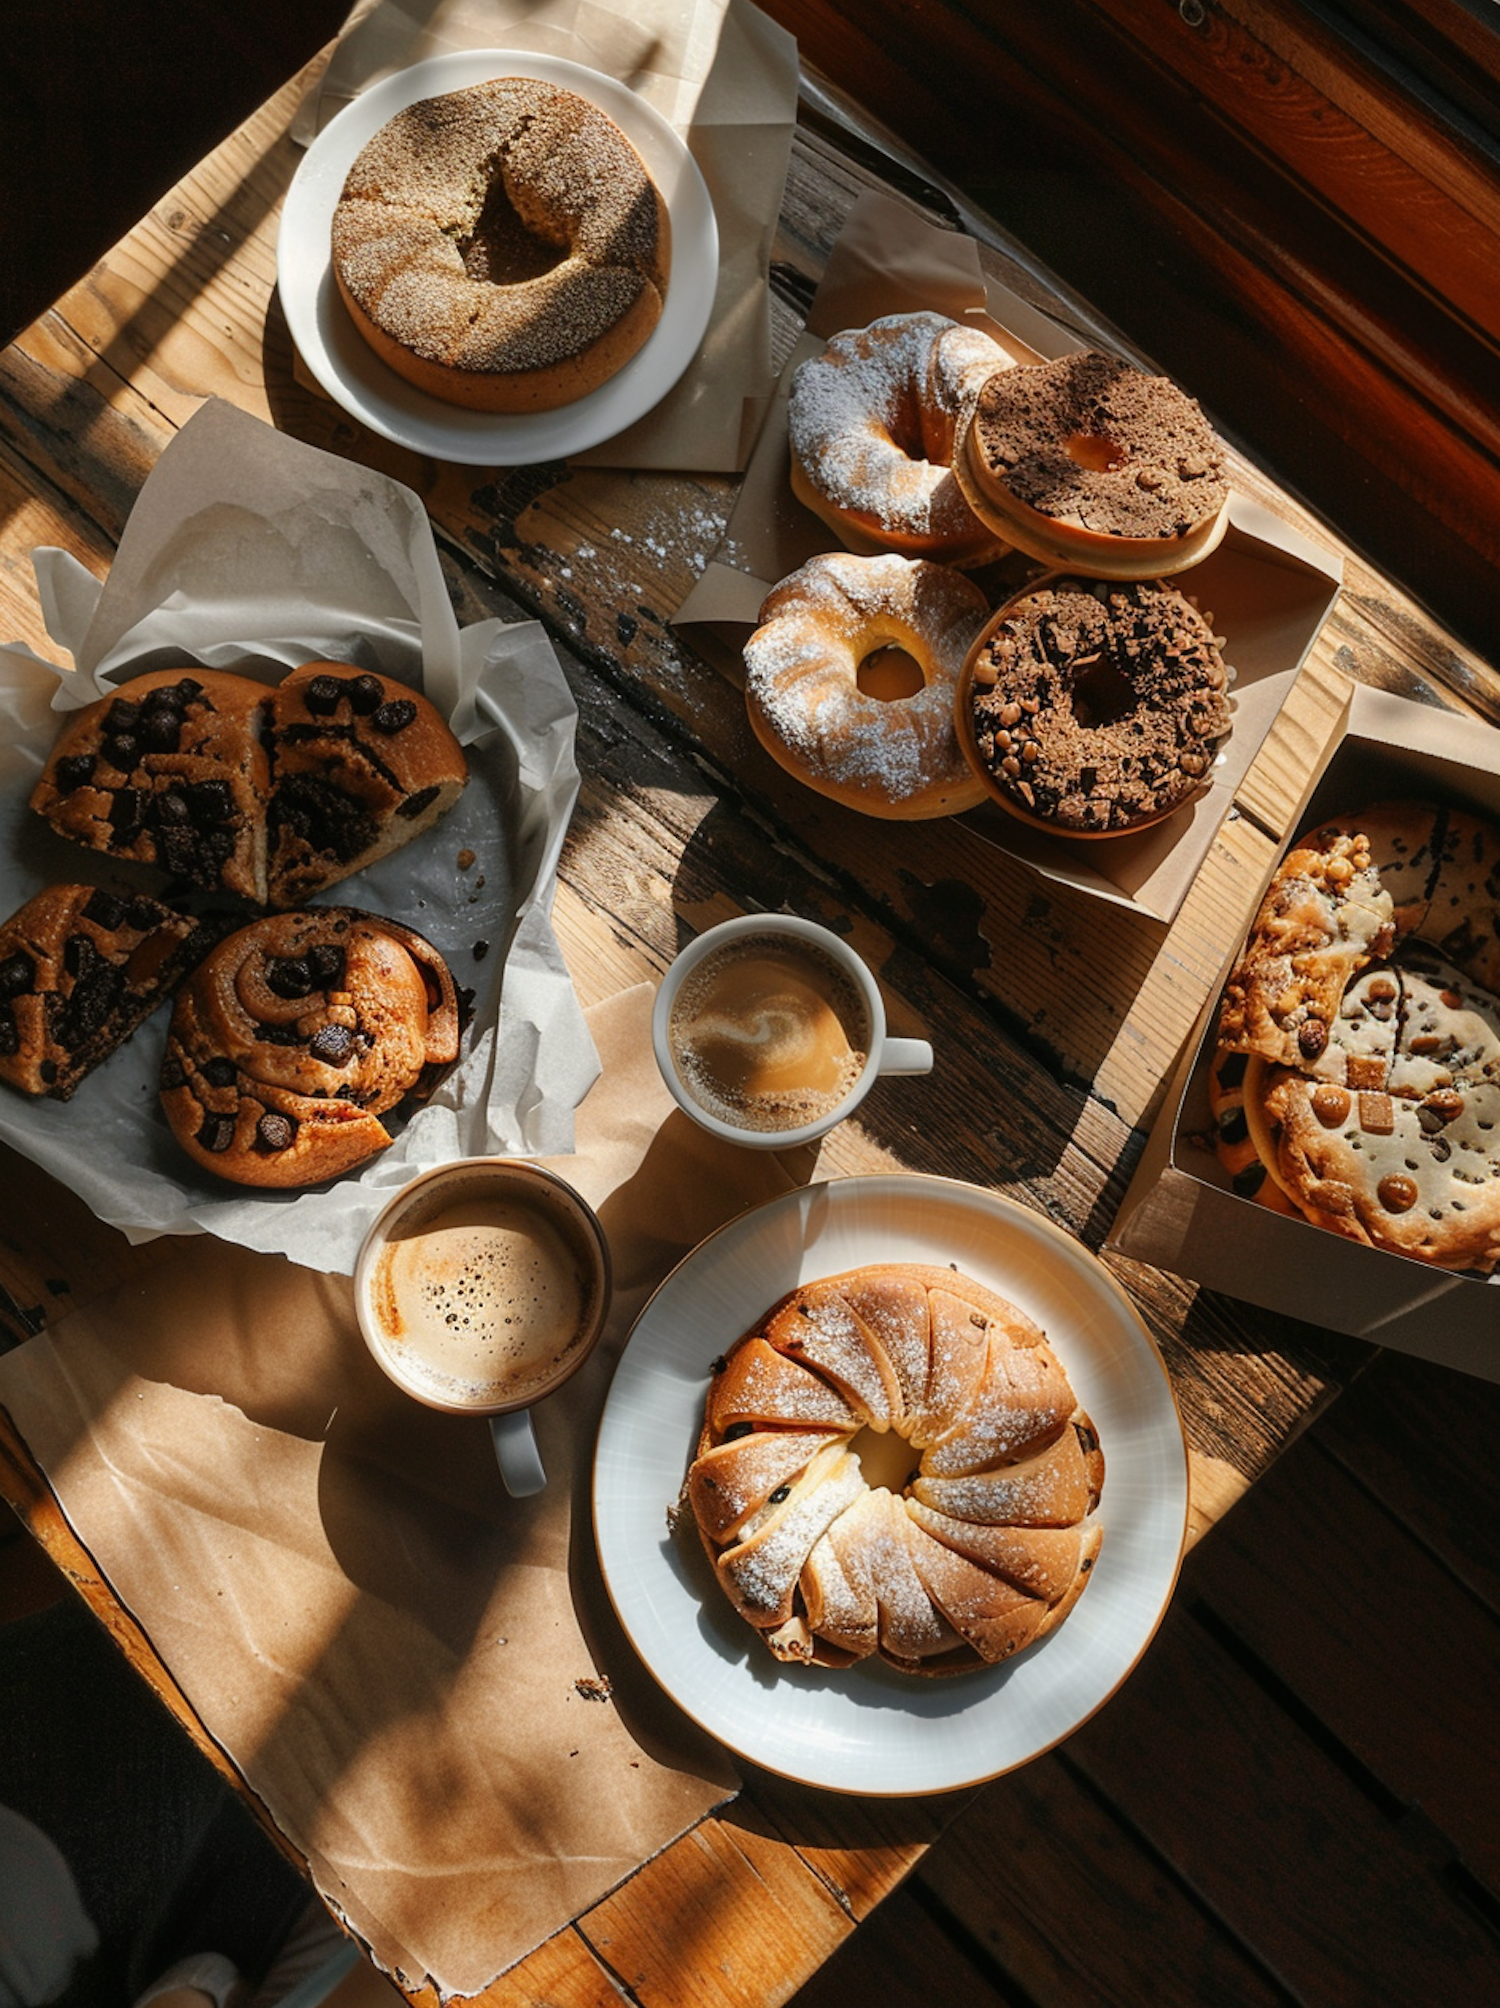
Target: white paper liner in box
{"x":248,"y":550}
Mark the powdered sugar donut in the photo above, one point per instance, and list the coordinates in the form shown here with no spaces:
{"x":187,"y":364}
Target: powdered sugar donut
{"x":894,"y":757}
{"x":872,"y":423}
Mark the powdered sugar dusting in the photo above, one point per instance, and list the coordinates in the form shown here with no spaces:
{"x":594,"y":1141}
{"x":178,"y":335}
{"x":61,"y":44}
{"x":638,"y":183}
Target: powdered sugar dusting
{"x":802,"y":666}
{"x":871,"y":421}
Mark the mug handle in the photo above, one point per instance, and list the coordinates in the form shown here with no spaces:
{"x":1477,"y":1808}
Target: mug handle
{"x":905,"y":1056}
{"x":516,"y":1453}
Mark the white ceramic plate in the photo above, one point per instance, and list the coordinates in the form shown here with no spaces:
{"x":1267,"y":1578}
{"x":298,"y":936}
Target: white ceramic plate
{"x":871,"y":1730}
{"x":355,"y":377}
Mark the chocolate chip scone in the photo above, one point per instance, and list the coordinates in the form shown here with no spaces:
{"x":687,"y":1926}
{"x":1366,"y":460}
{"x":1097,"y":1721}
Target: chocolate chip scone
{"x":361,"y":765}
{"x":293,"y":1038}
{"x":171,"y":772}
{"x":228,"y":784}
{"x":80,"y":969}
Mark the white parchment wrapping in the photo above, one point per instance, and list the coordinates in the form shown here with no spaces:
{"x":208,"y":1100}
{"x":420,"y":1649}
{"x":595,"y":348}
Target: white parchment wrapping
{"x":248,"y":550}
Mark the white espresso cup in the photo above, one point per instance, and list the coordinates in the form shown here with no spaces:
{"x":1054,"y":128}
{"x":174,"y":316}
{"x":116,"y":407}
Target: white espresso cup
{"x":480,"y":1288}
{"x":768,"y":1030}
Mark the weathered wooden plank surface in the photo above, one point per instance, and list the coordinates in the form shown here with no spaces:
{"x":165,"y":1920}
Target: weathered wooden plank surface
{"x":680,"y":822}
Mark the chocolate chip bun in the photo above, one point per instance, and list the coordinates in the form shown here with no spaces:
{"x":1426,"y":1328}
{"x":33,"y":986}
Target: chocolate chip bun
{"x":360,"y":766}
{"x":171,"y":772}
{"x":228,"y":784}
{"x":1363,"y":1013}
{"x":1094,"y":708}
{"x":295,"y":1035}
{"x":80,"y":969}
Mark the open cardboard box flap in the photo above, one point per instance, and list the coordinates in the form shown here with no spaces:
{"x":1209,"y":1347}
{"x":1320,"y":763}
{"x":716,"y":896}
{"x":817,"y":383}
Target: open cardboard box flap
{"x":1268,"y":588}
{"x":1179,"y":1212}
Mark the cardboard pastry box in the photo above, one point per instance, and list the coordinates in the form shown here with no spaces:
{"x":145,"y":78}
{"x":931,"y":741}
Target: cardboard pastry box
{"x":1180,"y":1213}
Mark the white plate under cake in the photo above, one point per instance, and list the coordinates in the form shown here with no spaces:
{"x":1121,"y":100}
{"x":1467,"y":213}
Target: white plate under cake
{"x":867,"y":1728}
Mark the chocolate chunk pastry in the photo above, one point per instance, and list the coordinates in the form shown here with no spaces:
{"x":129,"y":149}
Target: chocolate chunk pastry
{"x":80,"y":969}
{"x":221,"y":781}
{"x":293,"y":1038}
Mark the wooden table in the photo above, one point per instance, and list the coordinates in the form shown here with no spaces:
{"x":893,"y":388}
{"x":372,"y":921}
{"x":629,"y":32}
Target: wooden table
{"x":1043,"y":1089}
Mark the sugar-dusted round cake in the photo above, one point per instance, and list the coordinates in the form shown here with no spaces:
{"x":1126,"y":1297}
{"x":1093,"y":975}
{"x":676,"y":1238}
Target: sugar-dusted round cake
{"x":987,"y":1543}
{"x":502,"y":247}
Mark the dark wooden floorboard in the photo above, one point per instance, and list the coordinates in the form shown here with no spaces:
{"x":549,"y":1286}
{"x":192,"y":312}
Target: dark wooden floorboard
{"x":1294,"y":1797}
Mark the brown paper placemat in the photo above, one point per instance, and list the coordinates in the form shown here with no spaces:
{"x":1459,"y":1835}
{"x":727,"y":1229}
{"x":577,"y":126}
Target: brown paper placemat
{"x":387,"y":1646}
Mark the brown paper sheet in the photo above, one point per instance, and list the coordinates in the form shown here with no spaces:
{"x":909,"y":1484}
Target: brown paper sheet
{"x":725,"y":75}
{"x":1268,"y":589}
{"x":385,"y":1644}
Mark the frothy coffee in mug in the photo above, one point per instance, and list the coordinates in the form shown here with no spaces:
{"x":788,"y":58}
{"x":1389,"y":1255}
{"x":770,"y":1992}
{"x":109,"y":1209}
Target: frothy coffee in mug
{"x":481,"y":1292}
{"x":768,"y":1033}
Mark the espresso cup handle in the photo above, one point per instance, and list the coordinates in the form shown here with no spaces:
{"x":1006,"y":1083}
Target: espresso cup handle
{"x":516,"y":1453}
{"x":905,"y":1056}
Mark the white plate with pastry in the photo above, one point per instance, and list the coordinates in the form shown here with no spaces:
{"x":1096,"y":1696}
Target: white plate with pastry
{"x":356,"y":378}
{"x":869,"y":1728}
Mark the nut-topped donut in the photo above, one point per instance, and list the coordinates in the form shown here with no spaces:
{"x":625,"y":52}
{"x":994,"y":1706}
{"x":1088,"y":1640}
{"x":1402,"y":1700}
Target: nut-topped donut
{"x":872,"y":423}
{"x":1094,"y":708}
{"x":502,"y":247}
{"x":895,"y":757}
{"x":1094,"y":466}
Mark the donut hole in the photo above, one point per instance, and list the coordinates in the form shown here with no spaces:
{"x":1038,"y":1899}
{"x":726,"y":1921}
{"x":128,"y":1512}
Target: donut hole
{"x":1102,"y":694}
{"x":884,"y":1458}
{"x":890,"y":673}
{"x":1096,"y":451}
{"x":501,"y":250}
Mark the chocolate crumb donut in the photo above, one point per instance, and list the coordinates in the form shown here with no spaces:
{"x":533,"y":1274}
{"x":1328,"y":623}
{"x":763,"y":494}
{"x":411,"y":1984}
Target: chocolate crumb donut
{"x":295,"y":1035}
{"x":502,"y":247}
{"x":80,"y":969}
{"x":1094,"y":708}
{"x":1092,"y":465}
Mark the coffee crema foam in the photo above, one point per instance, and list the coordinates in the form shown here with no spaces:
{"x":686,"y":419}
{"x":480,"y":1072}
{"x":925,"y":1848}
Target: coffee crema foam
{"x":767,"y":1033}
{"x":479,"y":1295}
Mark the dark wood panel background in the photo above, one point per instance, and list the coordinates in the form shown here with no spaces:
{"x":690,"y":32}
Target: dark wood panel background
{"x":1298,"y":222}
